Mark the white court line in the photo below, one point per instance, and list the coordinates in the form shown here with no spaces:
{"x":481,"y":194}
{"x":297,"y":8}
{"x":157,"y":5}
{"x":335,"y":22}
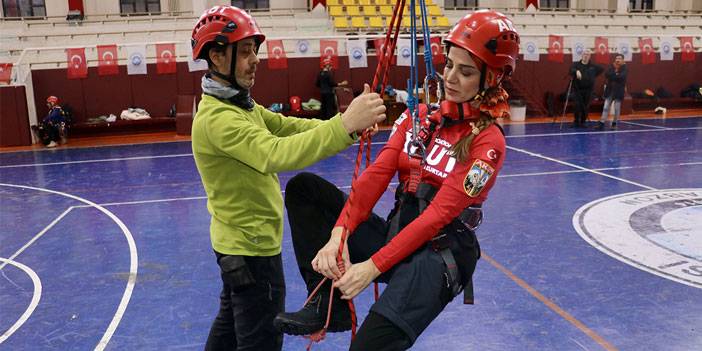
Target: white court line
{"x":602,"y":132}
{"x":373,"y":143}
{"x":597,"y":169}
{"x":36,"y":237}
{"x":643,"y":125}
{"x":93,"y":161}
{"x":36,"y":296}
{"x":148,"y":201}
{"x":581,"y":168}
{"x":133,"y":261}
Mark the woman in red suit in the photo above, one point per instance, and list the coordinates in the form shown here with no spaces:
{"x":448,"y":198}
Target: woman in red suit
{"x":426,"y":250}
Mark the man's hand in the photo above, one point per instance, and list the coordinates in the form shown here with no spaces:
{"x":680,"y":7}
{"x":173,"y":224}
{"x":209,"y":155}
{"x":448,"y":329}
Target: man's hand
{"x":578,"y":74}
{"x":357,"y":278}
{"x":364,"y":111}
{"x":325,"y":261}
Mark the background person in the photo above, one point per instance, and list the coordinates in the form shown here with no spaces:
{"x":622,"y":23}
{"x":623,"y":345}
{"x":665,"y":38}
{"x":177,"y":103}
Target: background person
{"x":583,"y":74}
{"x":326,"y":84}
{"x":615,"y":87}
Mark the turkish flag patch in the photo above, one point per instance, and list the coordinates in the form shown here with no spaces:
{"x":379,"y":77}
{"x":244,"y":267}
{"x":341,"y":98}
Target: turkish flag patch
{"x":478,"y":175}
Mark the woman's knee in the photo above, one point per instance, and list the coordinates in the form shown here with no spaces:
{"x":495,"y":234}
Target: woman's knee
{"x":299,"y":186}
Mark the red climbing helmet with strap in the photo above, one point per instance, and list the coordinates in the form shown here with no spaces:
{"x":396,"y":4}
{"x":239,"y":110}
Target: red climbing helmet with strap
{"x":490,"y":36}
{"x":52,"y":100}
{"x":223,"y":25}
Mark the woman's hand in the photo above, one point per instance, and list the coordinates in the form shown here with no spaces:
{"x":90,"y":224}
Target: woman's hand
{"x":357,"y":278}
{"x":325,"y":261}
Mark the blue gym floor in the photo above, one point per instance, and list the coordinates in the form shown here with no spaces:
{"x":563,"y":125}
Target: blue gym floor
{"x":108,"y":247}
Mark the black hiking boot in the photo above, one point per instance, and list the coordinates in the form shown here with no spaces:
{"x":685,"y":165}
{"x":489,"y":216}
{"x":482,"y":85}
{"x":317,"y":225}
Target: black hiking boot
{"x":312,"y":317}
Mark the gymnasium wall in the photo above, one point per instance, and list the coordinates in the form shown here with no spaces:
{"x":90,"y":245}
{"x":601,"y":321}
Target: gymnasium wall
{"x":102,"y":95}
{"x":14,"y":121}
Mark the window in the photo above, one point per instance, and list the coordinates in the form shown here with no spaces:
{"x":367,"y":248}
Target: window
{"x":251,"y":4}
{"x":139,"y":6}
{"x":460,"y":4}
{"x":640,"y":5}
{"x":23,"y":8}
{"x":554,"y":4}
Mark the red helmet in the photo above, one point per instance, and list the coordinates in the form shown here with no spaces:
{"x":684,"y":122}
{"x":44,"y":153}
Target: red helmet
{"x":491,"y":37}
{"x":52,"y":100}
{"x":295,"y":103}
{"x":223,"y":25}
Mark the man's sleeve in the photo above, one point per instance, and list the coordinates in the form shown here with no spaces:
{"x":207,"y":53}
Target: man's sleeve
{"x":283,"y":126}
{"x":469,"y":183}
{"x":239,"y":138}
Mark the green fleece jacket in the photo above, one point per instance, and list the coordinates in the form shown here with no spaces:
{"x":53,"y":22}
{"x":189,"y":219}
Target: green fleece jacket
{"x":238,"y":154}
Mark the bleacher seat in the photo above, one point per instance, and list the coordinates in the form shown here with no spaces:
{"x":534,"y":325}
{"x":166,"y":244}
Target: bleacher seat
{"x":336,"y":11}
{"x":434,"y":11}
{"x":353,"y":11}
{"x":365,"y":2}
{"x":442,"y":21}
{"x":386,"y":10}
{"x":375,"y":22}
{"x":349,"y":2}
{"x":384,"y":2}
{"x":341,"y":23}
{"x":358,"y":22}
{"x":333,"y":2}
{"x":369,"y":10}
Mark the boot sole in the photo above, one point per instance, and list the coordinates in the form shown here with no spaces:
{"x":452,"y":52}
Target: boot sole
{"x":291,"y":327}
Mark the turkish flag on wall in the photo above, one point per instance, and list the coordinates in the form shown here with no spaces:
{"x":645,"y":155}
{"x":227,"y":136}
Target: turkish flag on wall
{"x":166,"y":59}
{"x":601,"y":50}
{"x":436,"y":53}
{"x":107,"y":60}
{"x":276,"y":55}
{"x":5,"y":73}
{"x":77,"y":66}
{"x":648,"y":55}
{"x":687,"y":49}
{"x":555,"y":48}
{"x":328,"y":49}
{"x":379,"y":44}
{"x":532,"y":2}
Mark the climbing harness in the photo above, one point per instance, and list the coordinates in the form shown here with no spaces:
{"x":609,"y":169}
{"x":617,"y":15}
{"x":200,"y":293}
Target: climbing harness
{"x":379,"y":82}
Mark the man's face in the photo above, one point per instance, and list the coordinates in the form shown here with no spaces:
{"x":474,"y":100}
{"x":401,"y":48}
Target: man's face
{"x":619,"y":60}
{"x":246,"y":63}
{"x":586,"y":56}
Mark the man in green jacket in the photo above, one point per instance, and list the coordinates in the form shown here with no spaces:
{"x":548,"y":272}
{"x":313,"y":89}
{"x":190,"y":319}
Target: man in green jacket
{"x":239,"y":146}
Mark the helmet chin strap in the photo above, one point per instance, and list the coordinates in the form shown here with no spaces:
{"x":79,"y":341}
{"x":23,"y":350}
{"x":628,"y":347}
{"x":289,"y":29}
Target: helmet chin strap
{"x":231,"y":77}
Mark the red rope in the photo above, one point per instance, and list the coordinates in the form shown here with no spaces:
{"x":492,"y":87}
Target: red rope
{"x":381,"y":74}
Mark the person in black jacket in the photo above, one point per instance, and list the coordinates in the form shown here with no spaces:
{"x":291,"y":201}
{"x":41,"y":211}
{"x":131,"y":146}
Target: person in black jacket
{"x":326,"y":85}
{"x":614,"y":90}
{"x":583,"y":74}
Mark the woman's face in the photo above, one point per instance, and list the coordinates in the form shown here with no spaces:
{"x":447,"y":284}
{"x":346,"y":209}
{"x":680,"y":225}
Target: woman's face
{"x":461,"y":76}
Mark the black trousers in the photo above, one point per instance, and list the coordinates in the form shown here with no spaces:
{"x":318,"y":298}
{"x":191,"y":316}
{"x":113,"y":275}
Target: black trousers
{"x":416,"y":292}
{"x":246,"y":311}
{"x":329,"y":108}
{"x":582,"y":98}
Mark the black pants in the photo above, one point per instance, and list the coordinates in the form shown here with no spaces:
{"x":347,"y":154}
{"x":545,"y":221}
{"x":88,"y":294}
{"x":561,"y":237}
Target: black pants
{"x":245,"y":319}
{"x":582,"y":98}
{"x":328,"y":109}
{"x":398,"y":317}
{"x":48,"y":132}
